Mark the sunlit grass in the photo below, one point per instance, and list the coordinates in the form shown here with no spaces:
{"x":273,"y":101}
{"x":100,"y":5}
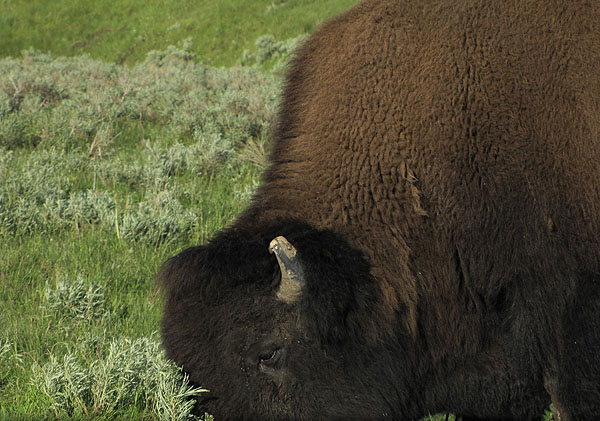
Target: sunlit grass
{"x":107,"y":172}
{"x":124,"y":31}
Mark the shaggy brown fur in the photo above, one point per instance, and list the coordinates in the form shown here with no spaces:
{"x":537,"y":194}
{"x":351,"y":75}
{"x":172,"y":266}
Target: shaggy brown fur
{"x":437,"y":166}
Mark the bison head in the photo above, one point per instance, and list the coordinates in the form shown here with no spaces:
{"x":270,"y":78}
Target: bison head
{"x":277,"y":326}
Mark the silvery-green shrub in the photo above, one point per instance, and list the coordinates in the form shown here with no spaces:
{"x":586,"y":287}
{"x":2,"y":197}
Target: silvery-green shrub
{"x":68,"y":119}
{"x":60,"y":100}
{"x":128,"y":372}
{"x":158,"y":218}
{"x":268,"y":49}
{"x":82,"y":207}
{"x":77,"y":298}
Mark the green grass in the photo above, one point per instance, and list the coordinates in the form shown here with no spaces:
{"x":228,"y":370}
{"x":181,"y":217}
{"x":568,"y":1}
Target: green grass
{"x":105,"y":172}
{"x":124,"y":31}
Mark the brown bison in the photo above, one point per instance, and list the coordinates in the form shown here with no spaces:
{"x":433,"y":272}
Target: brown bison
{"x":427,"y":237}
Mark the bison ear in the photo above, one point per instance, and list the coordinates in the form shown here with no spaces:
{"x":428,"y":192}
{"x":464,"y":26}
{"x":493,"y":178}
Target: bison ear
{"x":292,"y":275}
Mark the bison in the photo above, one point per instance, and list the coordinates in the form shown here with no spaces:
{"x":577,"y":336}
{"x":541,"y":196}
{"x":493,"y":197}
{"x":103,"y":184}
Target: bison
{"x":427,"y":236}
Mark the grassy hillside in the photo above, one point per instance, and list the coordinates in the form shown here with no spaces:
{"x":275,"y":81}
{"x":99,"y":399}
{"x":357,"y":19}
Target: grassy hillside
{"x":124,"y":31}
{"x":105,"y":171}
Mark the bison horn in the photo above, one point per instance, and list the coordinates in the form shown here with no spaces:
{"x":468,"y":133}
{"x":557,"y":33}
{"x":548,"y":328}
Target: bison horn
{"x":292,"y":276}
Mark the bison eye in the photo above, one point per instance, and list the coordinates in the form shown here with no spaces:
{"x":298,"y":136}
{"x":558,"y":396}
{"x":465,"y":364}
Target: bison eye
{"x":270,"y":359}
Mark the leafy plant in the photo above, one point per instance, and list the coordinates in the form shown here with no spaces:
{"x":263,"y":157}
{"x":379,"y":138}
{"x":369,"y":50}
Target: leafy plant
{"x":105,"y":141}
{"x":77,"y":299}
{"x":275,"y":54}
{"x":129,"y":372}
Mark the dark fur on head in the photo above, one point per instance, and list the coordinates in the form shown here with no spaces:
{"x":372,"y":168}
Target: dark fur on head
{"x":338,"y":306}
{"x":339,"y":302}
